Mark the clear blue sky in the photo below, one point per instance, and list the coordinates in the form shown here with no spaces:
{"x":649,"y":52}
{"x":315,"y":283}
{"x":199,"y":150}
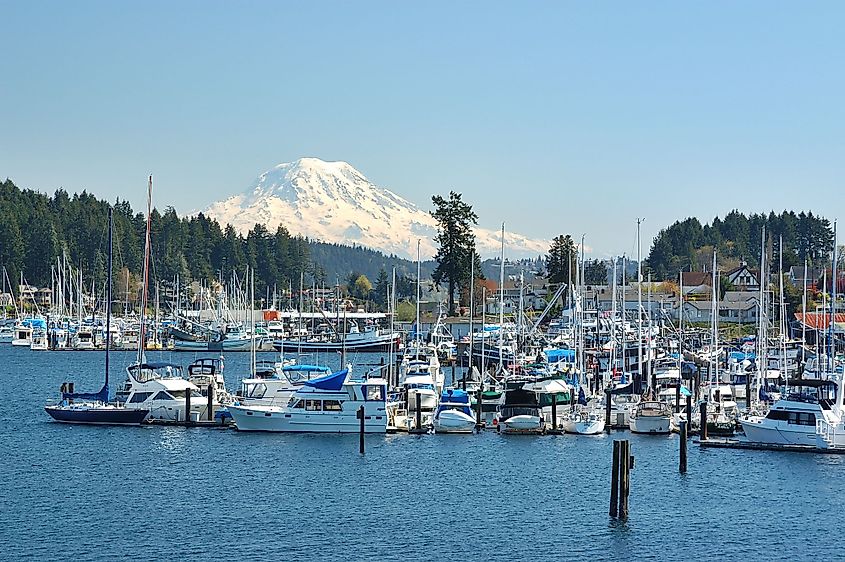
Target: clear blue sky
{"x":552,"y":116}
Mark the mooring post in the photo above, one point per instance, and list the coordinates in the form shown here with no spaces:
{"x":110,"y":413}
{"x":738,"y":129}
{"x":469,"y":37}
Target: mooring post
{"x":607,"y":411}
{"x":419,"y":413}
{"x":361,"y":431}
{"x":554,"y":411}
{"x":625,"y":463}
{"x":682,"y":467}
{"x":748,"y":391}
{"x":187,"y":406}
{"x":703,"y":431}
{"x":614,"y":481}
{"x":689,"y":411}
{"x":210,"y":413}
{"x":572,"y":400}
{"x":453,"y":373}
{"x":478,"y":406}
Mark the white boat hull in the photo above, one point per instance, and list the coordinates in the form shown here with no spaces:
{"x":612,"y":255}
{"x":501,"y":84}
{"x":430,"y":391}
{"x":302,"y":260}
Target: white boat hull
{"x":522,"y":424}
{"x":453,"y":421}
{"x":761,"y":430}
{"x":270,"y":418}
{"x":656,"y":425}
{"x":584,"y":426}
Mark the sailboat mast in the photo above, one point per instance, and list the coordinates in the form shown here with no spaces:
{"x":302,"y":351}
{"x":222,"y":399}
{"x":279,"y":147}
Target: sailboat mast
{"x":831,"y":331}
{"x":109,"y":296}
{"x":804,"y":308}
{"x":471,"y":307}
{"x":714,"y":308}
{"x":145,"y":282}
{"x":419,"y":293}
{"x":639,"y":306}
{"x":680,"y":322}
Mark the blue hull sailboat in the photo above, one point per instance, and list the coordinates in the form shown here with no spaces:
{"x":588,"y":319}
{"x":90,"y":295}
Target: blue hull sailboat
{"x":94,"y":408}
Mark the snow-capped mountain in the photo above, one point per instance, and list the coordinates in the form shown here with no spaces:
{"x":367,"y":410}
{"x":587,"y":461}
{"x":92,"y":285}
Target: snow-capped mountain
{"x":334,"y":202}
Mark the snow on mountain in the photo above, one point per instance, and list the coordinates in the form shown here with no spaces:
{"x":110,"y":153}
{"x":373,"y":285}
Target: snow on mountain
{"x":334,"y":202}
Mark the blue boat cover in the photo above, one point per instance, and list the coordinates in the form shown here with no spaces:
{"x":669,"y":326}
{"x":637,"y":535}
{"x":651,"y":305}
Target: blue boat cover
{"x":102,"y":396}
{"x":557,"y":354}
{"x":455,"y":395}
{"x":305,"y":368}
{"x":333,"y":381}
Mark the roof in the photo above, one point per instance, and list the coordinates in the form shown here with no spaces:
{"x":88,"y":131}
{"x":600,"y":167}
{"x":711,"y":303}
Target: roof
{"x":694,"y":278}
{"x":818,"y":320}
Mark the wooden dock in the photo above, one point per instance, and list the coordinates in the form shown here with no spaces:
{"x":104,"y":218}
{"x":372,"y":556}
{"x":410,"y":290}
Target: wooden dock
{"x":717,"y":443}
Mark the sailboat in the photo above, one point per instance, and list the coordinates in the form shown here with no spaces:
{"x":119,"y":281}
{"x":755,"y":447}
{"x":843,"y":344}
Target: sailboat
{"x":94,"y":408}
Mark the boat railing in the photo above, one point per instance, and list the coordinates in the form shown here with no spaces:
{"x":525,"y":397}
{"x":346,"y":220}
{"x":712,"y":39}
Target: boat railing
{"x":826,"y":430}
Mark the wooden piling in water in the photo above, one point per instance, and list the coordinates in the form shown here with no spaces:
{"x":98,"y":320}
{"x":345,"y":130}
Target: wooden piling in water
{"x":689,"y":411}
{"x":554,"y":411}
{"x":682,"y":466}
{"x":748,"y":390}
{"x":614,"y":481}
{"x":625,"y":463}
{"x":210,"y":409}
{"x":187,"y":406}
{"x":478,"y":407}
{"x":607,"y":411}
{"x":361,"y":431}
{"x":419,"y":413}
{"x":703,"y":411}
{"x":678,"y":397}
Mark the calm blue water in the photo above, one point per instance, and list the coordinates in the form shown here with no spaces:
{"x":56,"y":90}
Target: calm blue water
{"x":99,"y":493}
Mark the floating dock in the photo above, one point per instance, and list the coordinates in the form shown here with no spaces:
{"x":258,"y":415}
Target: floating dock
{"x":741,"y":444}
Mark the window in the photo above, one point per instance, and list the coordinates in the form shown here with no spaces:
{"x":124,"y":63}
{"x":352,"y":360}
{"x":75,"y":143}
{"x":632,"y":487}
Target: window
{"x":312,"y":405}
{"x":297,"y":403}
{"x":256,"y":390}
{"x":802,"y":418}
{"x":332,"y":405}
{"x":139,"y":397}
{"x":778,"y":415}
{"x":162,"y":395}
{"x":374,"y":392}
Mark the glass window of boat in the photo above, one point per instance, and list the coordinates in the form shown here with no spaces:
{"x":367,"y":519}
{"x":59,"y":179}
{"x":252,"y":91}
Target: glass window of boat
{"x":332,"y":405}
{"x":255,"y":390}
{"x":777,"y":415}
{"x":312,"y":405}
{"x":374,"y":392}
{"x":139,"y":397}
{"x":162,"y":395}
{"x":296,"y":403}
{"x":180,"y":394}
{"x":802,"y":418}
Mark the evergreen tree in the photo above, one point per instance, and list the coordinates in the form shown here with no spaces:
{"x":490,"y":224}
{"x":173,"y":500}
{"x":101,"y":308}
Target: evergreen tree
{"x":456,"y":241}
{"x":560,"y":261}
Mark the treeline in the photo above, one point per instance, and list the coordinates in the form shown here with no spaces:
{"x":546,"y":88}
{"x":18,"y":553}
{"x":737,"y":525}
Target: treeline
{"x":37,"y":229}
{"x":688,"y":245}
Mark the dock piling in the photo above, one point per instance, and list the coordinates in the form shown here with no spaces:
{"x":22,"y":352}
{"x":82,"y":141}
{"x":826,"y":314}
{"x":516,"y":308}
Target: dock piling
{"x":703,"y":430}
{"x":607,"y":411}
{"x":554,"y":411}
{"x":614,"y":481}
{"x":361,"y":431}
{"x":187,"y":407}
{"x":682,"y":466}
{"x":210,"y":412}
{"x":478,"y":407}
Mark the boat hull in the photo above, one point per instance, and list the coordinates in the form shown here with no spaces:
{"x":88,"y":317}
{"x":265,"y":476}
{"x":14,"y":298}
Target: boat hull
{"x":97,"y":415}
{"x":528,"y":425}
{"x":275,"y":419}
{"x":453,"y":421}
{"x":653,"y":425}
{"x":581,"y":426}
{"x":760,"y":430}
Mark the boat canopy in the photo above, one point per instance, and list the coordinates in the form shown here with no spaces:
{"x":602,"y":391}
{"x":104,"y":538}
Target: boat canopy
{"x":333,"y":381}
{"x":288,"y":368}
{"x":554,"y":355}
{"x":455,"y":395}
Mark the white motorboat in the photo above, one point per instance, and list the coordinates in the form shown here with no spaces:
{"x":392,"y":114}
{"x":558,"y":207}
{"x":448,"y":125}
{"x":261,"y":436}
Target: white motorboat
{"x":23,"y":335}
{"x":7,"y":334}
{"x":159,"y":388}
{"x":39,"y":339}
{"x":275,"y":383}
{"x":651,"y":417}
{"x":84,"y":338}
{"x":325,"y":405}
{"x":792,"y":420}
{"x":453,"y":414}
{"x":520,"y":413}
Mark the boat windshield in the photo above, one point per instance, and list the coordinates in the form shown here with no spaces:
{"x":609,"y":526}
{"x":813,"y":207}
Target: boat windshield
{"x":510,"y":411}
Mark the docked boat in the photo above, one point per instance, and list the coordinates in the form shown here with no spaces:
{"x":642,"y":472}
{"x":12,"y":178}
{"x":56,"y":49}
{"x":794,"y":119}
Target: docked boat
{"x":275,"y":383}
{"x":651,"y":417}
{"x":39,"y":339}
{"x":325,"y":405}
{"x":159,"y":388}
{"x":520,"y":413}
{"x":22,"y":334}
{"x":7,"y":334}
{"x":95,"y":408}
{"x":368,"y":339}
{"x":585,"y":420}
{"x":84,"y":338}
{"x":453,"y":414}
{"x":792,"y":419}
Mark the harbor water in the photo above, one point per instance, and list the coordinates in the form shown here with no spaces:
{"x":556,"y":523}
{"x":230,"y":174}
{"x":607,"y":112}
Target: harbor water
{"x":171,"y":493}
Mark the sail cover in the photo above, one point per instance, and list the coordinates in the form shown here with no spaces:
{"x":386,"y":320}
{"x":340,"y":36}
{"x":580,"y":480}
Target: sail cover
{"x":329,"y":382}
{"x":101,"y":396}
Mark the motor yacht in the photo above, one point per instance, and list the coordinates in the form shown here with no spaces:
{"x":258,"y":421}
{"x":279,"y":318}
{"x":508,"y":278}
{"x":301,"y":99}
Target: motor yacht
{"x":453,"y":414}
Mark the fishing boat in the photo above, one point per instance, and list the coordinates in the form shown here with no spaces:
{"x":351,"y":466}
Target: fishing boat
{"x":325,"y":405}
{"x":652,"y":417}
{"x":95,"y":408}
{"x":520,"y":413}
{"x":453,"y":414}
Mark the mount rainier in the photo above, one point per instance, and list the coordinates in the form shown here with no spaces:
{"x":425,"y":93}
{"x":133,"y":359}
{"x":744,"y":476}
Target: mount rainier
{"x":334,"y":202}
